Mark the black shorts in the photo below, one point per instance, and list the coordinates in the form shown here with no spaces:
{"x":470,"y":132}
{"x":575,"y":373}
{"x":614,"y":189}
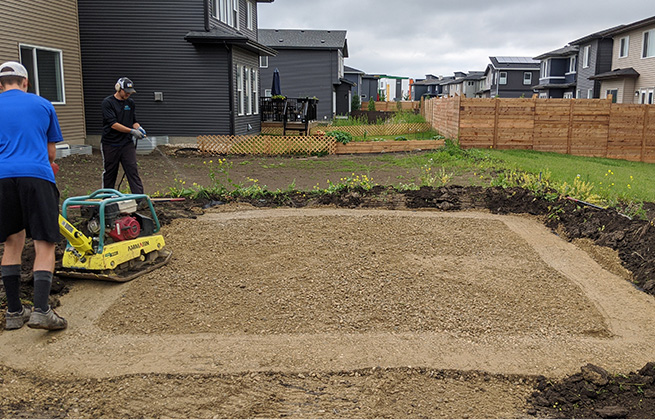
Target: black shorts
{"x":31,"y":204}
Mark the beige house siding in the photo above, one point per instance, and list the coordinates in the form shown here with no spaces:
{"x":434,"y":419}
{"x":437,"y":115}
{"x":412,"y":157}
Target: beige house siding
{"x":644,"y":66}
{"x":54,"y":25}
{"x":625,"y":88}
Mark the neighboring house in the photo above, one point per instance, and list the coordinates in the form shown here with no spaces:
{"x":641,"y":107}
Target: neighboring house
{"x":430,"y":87}
{"x":44,"y":35}
{"x":632,"y":78}
{"x":557,"y":78}
{"x":355,"y":77}
{"x":464,"y":84}
{"x":594,"y":57}
{"x":369,"y":88}
{"x":194,"y":64}
{"x":393,"y":88}
{"x":311,"y":64}
{"x":510,"y":77}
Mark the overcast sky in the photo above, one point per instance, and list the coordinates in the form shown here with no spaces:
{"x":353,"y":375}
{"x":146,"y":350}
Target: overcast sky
{"x":417,"y":37}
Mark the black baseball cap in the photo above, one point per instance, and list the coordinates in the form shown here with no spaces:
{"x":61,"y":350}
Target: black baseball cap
{"x":126,"y":84}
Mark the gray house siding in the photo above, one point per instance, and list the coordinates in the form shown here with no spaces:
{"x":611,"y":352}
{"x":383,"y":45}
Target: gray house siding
{"x":245,"y":124}
{"x":148,"y":45}
{"x":304,"y":73}
{"x":584,"y":84}
{"x":514,"y":87}
{"x":369,"y":89}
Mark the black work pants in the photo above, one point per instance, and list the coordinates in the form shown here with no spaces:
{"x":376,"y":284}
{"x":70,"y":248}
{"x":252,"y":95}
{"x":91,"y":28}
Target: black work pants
{"x":125,"y":156}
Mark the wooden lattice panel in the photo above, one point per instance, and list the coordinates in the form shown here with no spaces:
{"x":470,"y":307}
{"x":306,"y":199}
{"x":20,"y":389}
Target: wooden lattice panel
{"x":265,"y":145}
{"x":378,"y":130}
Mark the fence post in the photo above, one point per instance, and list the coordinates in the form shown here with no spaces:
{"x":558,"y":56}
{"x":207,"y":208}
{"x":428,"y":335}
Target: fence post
{"x":570,"y":131}
{"x":496,"y":106}
{"x":644,"y":133}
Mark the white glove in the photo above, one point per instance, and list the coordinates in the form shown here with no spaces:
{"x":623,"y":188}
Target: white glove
{"x":137,"y":134}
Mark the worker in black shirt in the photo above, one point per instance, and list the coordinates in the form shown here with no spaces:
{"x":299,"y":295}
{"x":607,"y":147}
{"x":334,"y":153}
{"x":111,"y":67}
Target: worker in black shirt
{"x":119,"y":127}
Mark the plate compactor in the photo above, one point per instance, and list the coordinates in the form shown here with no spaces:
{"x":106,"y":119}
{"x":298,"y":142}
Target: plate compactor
{"x":117,"y":240}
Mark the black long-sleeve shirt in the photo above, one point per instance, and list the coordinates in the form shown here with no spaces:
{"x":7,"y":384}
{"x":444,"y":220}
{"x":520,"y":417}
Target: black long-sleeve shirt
{"x":117,"y":111}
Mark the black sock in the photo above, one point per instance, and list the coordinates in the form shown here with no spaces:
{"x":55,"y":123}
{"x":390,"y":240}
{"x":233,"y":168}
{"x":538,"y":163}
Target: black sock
{"x":11,"y":281}
{"x":42,"y":285}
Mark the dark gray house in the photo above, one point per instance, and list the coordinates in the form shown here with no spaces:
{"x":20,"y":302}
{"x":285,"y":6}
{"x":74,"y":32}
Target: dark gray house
{"x":510,"y":77}
{"x":370,"y":87}
{"x":311,"y":64}
{"x":558,"y":75}
{"x":355,"y":76}
{"x":594,"y":58}
{"x":194,"y":63}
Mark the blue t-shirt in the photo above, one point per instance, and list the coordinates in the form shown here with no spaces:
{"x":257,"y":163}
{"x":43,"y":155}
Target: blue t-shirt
{"x":28,"y":123}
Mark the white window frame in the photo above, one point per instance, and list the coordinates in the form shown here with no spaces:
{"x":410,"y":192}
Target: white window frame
{"x":573,"y":63}
{"x":502,"y":80}
{"x":248,"y":90}
{"x":648,"y":44}
{"x":544,"y":69}
{"x":255,"y":92}
{"x":34,"y":78}
{"x":263,"y":61}
{"x":590,"y":94}
{"x":527,"y":80}
{"x":250,"y":15}
{"x":586,"y":55}
{"x":624,"y":47}
{"x":235,"y":14}
{"x":578,"y":94}
{"x":568,"y":95}
{"x":240,"y":95}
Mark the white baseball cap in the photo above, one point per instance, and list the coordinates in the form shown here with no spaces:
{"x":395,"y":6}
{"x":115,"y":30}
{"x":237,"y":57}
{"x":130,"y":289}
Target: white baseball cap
{"x":13,"y":68}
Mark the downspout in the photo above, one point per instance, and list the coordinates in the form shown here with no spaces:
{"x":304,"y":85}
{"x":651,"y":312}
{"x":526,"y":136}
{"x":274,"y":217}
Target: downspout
{"x":207,"y":13}
{"x":230,"y":76}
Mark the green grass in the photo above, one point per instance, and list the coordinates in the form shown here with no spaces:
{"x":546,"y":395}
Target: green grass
{"x":611,"y":178}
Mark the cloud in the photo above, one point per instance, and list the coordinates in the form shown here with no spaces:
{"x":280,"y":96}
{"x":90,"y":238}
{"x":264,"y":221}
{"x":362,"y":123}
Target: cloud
{"x":417,"y":37}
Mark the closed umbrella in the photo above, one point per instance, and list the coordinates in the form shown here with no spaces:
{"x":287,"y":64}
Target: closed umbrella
{"x":275,"y":89}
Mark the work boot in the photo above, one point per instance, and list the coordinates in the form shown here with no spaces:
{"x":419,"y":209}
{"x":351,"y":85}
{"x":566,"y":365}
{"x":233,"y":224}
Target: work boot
{"x":15,"y":320}
{"x":47,"y":321}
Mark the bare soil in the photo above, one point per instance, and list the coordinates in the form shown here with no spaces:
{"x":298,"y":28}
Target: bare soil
{"x":453,"y":302}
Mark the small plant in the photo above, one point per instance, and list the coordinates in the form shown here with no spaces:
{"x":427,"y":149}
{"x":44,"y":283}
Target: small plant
{"x":341,"y":136}
{"x":401,"y":138}
{"x":356,"y":103}
{"x":371,"y":104}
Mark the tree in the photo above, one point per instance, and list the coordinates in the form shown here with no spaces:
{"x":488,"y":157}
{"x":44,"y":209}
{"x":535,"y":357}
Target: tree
{"x":371,"y":104}
{"x":356,"y":103}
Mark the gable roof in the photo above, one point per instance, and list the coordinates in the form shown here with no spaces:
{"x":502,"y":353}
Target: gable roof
{"x":222,"y":34}
{"x":629,"y":27}
{"x":307,"y":39}
{"x":566,"y":51}
{"x":352,"y":70}
{"x":596,"y":35}
{"x":515,"y":63}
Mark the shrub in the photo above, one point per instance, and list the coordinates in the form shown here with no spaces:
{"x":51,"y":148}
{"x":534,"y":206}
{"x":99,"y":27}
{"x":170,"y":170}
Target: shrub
{"x":341,"y":136}
{"x":356,"y":103}
{"x":371,"y":104}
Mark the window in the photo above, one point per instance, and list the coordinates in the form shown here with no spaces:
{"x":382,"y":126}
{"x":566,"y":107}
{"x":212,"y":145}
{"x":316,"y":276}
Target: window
{"x":614,"y":93}
{"x":544,"y":69}
{"x":45,"y":67}
{"x":527,"y":78}
{"x":503,"y":78}
{"x":586,"y":53}
{"x":267,"y":93}
{"x":568,"y":95}
{"x":263,"y":62}
{"x":250,"y":15}
{"x":573,"y":60}
{"x":624,"y":46}
{"x":227,"y":11}
{"x":248,"y":90}
{"x":590,"y":94}
{"x":578,"y":94}
{"x":255,"y":92}
{"x":649,"y":44}
{"x":240,"y":89}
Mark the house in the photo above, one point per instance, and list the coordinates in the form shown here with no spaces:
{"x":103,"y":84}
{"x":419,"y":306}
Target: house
{"x":632,"y":78}
{"x":594,"y":57}
{"x":557,"y":78}
{"x":430,"y":87}
{"x":355,"y":77}
{"x":311,"y":64}
{"x":465,"y":84}
{"x":44,"y":35}
{"x":510,"y":77}
{"x":194,"y":64}
{"x":392,"y":88}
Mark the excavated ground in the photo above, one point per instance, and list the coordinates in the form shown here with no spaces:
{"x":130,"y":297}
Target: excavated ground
{"x":358,"y":305}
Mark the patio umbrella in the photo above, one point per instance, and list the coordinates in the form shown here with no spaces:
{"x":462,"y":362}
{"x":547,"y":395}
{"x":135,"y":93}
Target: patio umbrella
{"x":275,"y":89}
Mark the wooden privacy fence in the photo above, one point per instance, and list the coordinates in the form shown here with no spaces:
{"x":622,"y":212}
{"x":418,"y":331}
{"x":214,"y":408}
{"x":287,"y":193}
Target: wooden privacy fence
{"x":393,"y":106}
{"x":266,"y":145}
{"x":377,"y":129}
{"x":587,"y":127}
